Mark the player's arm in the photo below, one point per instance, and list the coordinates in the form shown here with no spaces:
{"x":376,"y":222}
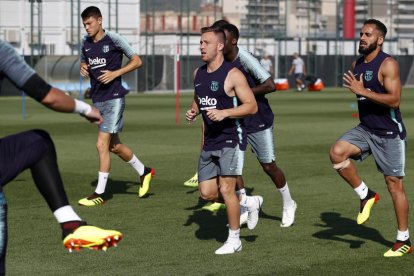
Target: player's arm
{"x":264,"y":88}
{"x":84,"y":67}
{"x":237,"y":85}
{"x":291,"y":69}
{"x":134,"y":60}
{"x":57,"y":100}
{"x":25,"y":78}
{"x":259,"y":73}
{"x":134,"y":63}
{"x":192,"y":113}
{"x":390,"y":73}
{"x":108,"y":76}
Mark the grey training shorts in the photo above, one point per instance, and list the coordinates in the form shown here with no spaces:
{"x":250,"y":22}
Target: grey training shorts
{"x":224,"y":162}
{"x":262,"y":146}
{"x":389,"y":153}
{"x":112,"y":113}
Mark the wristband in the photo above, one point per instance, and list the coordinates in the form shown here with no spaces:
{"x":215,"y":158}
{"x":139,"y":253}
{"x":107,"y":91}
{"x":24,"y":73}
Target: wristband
{"x":82,"y":107}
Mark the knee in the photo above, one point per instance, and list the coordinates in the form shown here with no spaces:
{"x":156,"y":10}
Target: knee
{"x":269,"y":167}
{"x":394,"y":185}
{"x":337,"y":153}
{"x":102,"y":146}
{"x":207,"y":195}
{"x":226,"y":190}
{"x":42,"y":133}
{"x":116,"y":148}
{"x":339,"y":158}
{"x":43,"y":138}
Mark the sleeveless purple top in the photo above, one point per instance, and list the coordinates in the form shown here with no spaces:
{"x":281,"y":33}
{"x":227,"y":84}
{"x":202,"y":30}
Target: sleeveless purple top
{"x":209,"y":90}
{"x":375,"y":118}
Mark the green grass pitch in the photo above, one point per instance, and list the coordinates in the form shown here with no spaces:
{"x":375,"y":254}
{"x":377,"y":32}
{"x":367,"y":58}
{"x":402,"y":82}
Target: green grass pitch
{"x":168,"y":234}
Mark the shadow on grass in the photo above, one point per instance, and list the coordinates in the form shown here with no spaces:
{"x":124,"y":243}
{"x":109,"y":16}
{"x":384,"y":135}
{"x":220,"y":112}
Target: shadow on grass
{"x":211,"y":225}
{"x":263,"y":215}
{"x":119,"y":187}
{"x":338,"y":226}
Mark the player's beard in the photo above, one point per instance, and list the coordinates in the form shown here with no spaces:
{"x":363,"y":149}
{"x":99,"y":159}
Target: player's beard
{"x":371,"y":48}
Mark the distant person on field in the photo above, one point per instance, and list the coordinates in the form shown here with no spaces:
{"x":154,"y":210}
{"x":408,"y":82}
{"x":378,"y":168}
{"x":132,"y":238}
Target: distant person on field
{"x":222,"y":96}
{"x":35,"y":150}
{"x":101,"y":61}
{"x":375,"y":80}
{"x":267,"y":64}
{"x":298,"y":67}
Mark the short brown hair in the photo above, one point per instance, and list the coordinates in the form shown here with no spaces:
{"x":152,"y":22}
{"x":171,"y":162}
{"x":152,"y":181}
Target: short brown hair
{"x":217,"y":31}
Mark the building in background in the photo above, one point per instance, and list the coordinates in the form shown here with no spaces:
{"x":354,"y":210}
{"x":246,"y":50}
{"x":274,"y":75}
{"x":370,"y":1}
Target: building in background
{"x":54,"y":27}
{"x":281,"y":18}
{"x":164,"y":32}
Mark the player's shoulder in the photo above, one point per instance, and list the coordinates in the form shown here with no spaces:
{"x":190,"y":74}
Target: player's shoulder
{"x":245,"y":54}
{"x":388,"y":59}
{"x":6,"y":50}
{"x":389,"y":65}
{"x":248,"y":59}
{"x":5,"y":45}
{"x":86,"y":39}
{"x":234,"y":73}
{"x":114,"y":36}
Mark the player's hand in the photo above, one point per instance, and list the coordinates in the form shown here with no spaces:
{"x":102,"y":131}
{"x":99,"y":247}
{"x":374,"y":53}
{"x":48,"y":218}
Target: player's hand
{"x":107,"y":76}
{"x":350,"y":81}
{"x":84,"y":70}
{"x":191,"y":115}
{"x":216,"y":115}
{"x":94,"y":116}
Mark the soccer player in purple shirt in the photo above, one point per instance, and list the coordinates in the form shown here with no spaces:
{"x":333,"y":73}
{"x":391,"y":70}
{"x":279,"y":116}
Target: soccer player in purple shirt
{"x":375,"y":80}
{"x":222,"y":96}
{"x":259,"y":126}
{"x":101,"y":61}
{"x":34,"y":149}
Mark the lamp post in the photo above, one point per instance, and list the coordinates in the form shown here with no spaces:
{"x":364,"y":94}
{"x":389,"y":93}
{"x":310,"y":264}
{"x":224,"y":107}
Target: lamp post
{"x":32,"y":28}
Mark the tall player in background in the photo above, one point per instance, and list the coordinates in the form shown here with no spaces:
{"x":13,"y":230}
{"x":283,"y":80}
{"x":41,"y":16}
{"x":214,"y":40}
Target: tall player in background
{"x":101,"y":61}
{"x":34,"y":150}
{"x":375,"y":81}
{"x":259,"y":126}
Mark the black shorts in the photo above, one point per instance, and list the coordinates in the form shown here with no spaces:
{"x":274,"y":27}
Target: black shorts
{"x":20,"y":151}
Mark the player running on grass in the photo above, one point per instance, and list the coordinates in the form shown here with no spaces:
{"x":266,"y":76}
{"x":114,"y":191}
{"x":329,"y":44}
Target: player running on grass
{"x":259,"y":126}
{"x":222,"y":95}
{"x":101,"y":61}
{"x":34,"y":150}
{"x":375,"y":80}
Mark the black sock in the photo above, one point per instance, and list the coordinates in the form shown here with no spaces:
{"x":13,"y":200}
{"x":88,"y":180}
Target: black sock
{"x":370,"y":194}
{"x":69,"y":226}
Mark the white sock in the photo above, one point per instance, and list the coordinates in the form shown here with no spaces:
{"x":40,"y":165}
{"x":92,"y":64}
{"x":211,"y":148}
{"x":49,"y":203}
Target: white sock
{"x":403,"y":235}
{"x":66,"y":213}
{"x":137,"y":165}
{"x":234,"y":235}
{"x":286,"y":197}
{"x":102,"y":180}
{"x":246,"y":201}
{"x":362,"y":190}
